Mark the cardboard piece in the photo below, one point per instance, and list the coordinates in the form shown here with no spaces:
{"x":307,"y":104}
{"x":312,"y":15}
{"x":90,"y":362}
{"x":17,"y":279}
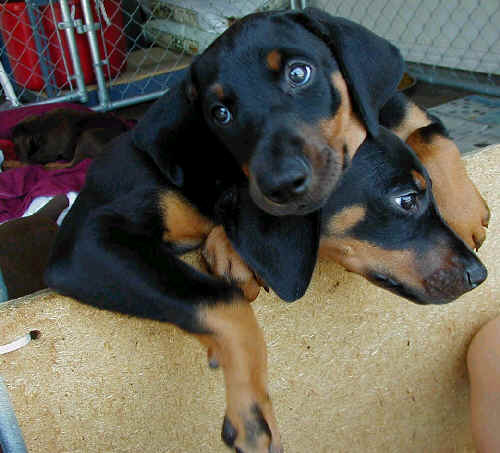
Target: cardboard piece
{"x":352,"y":367}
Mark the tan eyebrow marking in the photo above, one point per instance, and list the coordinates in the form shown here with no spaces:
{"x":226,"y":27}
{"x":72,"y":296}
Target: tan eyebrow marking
{"x":419,"y":179}
{"x":218,"y":90}
{"x":346,"y":219}
{"x":273,"y":60}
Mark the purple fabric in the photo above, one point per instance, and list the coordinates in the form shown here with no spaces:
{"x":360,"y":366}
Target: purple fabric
{"x":19,"y":186}
{"x":9,"y":118}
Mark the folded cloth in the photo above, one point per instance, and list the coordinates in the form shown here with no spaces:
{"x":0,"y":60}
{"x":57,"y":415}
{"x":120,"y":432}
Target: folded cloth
{"x":40,"y":202}
{"x":19,"y":186}
{"x":25,"y":246}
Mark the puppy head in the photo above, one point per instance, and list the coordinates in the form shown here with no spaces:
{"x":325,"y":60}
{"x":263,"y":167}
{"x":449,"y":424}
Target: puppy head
{"x":274,"y":90}
{"x":290,"y":97}
{"x":41,"y":139}
{"x":383,"y":223}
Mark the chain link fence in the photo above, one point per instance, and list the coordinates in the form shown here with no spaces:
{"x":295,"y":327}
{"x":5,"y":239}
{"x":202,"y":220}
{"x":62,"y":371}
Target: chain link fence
{"x":452,"y":42}
{"x":113,"y":53}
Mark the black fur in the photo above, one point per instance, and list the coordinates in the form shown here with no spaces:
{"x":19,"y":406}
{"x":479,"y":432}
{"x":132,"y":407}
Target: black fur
{"x":394,"y":111}
{"x":268,"y":113}
{"x":267,"y":244}
{"x":371,"y":65}
{"x":382,"y":170}
{"x":114,"y":251}
{"x":110,"y":251}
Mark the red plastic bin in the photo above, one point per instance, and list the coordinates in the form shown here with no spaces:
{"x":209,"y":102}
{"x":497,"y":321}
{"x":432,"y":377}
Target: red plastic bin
{"x":20,"y":45}
{"x":21,"y":49}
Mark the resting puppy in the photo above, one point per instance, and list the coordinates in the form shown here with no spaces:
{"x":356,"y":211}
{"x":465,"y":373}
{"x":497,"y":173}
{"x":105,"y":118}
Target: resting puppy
{"x":382,"y":222}
{"x":64,"y":135}
{"x":244,"y":111}
{"x":155,"y":193}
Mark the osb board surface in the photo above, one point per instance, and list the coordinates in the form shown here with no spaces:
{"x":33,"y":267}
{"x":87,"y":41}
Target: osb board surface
{"x":352,"y":368}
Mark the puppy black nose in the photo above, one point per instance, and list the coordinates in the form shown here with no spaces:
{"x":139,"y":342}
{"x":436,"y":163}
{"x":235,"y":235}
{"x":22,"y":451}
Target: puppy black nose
{"x":475,"y":274}
{"x":291,"y":181}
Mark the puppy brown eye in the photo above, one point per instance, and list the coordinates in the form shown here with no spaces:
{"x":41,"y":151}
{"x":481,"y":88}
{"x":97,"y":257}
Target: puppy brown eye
{"x":408,"y":202}
{"x":299,"y":74}
{"x":221,"y":114}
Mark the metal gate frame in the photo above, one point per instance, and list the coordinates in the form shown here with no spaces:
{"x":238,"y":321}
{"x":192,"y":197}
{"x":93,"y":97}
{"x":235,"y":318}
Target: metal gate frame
{"x":90,"y":28}
{"x":107,"y":96}
{"x":81,"y":94}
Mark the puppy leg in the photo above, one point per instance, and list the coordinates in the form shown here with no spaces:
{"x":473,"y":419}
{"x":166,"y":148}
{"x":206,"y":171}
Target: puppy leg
{"x":223,"y":261}
{"x":249,"y":425}
{"x":458,"y":199}
{"x":402,"y":116}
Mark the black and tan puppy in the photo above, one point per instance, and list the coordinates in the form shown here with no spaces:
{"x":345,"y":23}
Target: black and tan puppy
{"x":382,"y":222}
{"x":63,"y":137}
{"x":276,"y":108}
{"x":290,"y":95}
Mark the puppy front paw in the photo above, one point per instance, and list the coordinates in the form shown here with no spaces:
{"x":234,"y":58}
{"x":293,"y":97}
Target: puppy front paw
{"x":248,"y":430}
{"x":223,"y":261}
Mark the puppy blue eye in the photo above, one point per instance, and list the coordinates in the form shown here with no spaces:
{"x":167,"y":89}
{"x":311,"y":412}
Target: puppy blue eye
{"x":299,"y":74}
{"x":408,"y":202}
{"x":221,"y":114}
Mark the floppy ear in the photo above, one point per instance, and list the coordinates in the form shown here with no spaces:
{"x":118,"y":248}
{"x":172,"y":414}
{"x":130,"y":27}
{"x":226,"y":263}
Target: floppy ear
{"x":167,"y":127}
{"x":282,"y":250}
{"x":371,"y":65}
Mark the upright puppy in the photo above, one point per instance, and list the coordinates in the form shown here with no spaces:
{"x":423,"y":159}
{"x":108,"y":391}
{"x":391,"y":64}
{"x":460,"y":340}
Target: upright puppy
{"x":280,"y":102}
{"x":290,"y":95}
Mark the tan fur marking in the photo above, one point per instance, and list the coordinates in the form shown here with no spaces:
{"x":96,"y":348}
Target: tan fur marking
{"x":419,"y":180}
{"x":238,"y":344}
{"x":344,"y":128}
{"x":415,"y":118}
{"x":226,"y":263}
{"x":192,"y":92}
{"x":273,"y":60}
{"x":363,"y":257}
{"x":346,"y":219}
{"x":218,"y":89}
{"x":313,"y":146}
{"x":246,"y":170}
{"x":435,"y":274}
{"x":458,"y":199}
{"x":182,"y":222}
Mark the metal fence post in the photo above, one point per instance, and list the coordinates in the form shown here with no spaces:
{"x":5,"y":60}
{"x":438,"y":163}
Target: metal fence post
{"x":10,"y":94}
{"x":11,"y":437}
{"x":41,"y":45}
{"x":69,"y":26}
{"x":91,"y":27}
